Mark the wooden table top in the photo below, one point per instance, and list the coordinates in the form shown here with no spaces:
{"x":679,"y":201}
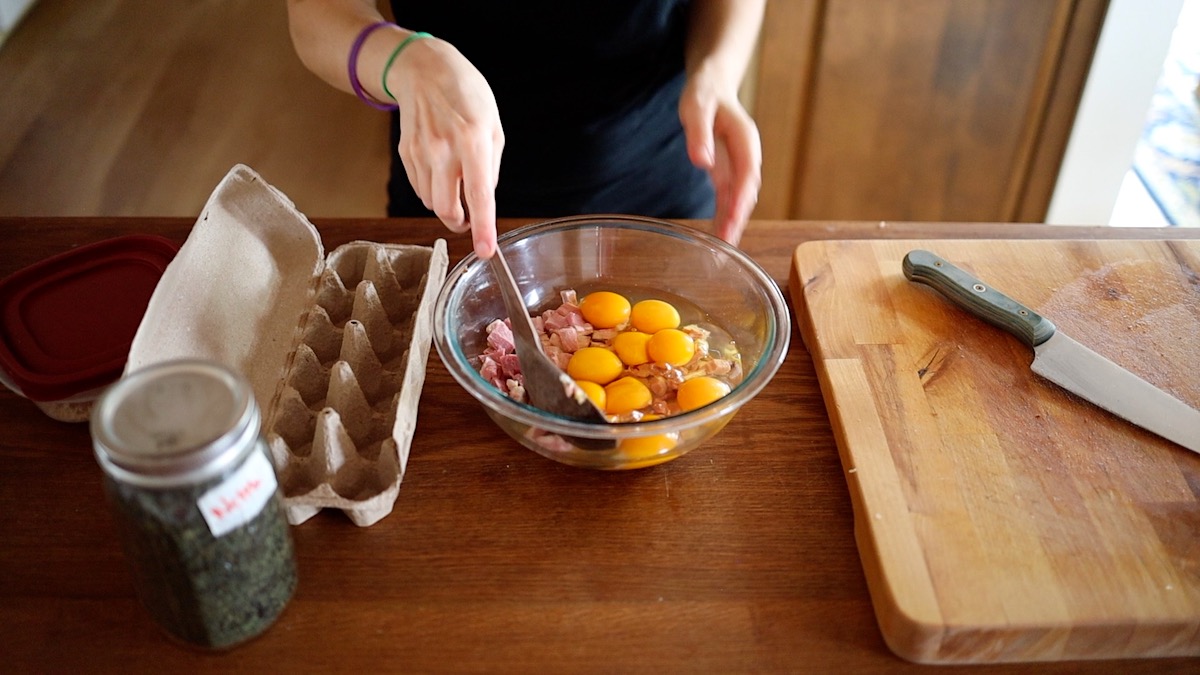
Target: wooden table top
{"x":738,"y":557}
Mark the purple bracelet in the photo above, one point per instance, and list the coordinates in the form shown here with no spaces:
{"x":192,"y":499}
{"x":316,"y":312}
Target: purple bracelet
{"x":353,"y":68}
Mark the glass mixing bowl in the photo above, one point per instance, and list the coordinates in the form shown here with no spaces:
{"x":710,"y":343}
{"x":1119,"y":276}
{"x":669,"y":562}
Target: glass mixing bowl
{"x":639,"y":257}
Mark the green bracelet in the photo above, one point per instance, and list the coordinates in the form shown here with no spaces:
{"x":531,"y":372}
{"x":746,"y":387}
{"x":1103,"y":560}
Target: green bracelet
{"x":396,"y":52}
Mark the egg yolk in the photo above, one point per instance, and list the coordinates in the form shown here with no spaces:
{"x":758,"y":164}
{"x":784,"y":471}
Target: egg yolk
{"x":700,"y":391}
{"x":630,"y":347}
{"x":671,"y":346}
{"x":605,"y":309}
{"x":594,"y":364}
{"x":647,"y":447}
{"x":626,"y":395}
{"x":651,"y":316}
{"x":593,"y":391}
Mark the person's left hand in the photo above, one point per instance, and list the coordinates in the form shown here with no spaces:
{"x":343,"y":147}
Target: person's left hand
{"x":723,"y":139}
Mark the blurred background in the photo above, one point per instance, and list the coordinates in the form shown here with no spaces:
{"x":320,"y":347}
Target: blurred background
{"x":941,"y":110}
{"x":139,"y":107}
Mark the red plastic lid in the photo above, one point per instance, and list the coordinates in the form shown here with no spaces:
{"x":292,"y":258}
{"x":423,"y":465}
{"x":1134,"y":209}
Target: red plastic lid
{"x":66,"y":323}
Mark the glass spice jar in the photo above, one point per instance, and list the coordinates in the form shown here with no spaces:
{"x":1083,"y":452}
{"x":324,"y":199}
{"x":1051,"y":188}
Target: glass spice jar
{"x":196,"y":500}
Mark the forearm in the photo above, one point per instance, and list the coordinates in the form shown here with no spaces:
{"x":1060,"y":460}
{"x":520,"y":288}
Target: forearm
{"x":721,"y":38}
{"x":323,"y":32}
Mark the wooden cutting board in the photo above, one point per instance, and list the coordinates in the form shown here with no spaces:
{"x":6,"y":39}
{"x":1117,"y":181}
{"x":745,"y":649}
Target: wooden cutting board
{"x":998,"y":517}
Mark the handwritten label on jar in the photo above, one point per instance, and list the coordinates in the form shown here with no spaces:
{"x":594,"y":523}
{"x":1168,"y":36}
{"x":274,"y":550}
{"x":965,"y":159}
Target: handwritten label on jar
{"x":241,"y":497}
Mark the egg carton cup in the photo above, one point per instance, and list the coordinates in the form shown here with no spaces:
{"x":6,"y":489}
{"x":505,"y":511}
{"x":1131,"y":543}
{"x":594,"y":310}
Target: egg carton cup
{"x":334,"y":347}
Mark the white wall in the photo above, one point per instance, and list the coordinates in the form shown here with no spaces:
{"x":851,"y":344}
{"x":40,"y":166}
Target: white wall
{"x":1129,"y":58}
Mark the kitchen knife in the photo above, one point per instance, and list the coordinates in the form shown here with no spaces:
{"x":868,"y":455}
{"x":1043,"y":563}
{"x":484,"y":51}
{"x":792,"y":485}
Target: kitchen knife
{"x":1060,"y":359}
{"x":546,"y":385}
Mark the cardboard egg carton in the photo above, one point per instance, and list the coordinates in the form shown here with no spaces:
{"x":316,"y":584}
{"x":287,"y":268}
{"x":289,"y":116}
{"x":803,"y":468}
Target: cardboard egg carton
{"x":335,"y":348}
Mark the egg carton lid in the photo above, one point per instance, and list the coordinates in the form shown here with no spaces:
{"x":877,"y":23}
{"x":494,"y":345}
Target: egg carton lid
{"x":238,"y":288}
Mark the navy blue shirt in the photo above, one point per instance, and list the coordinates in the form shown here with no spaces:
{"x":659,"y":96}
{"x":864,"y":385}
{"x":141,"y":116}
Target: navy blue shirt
{"x":588,"y":93}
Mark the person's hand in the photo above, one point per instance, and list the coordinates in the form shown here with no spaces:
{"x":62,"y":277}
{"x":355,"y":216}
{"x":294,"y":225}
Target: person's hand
{"x":450,"y":137}
{"x":723,"y":139}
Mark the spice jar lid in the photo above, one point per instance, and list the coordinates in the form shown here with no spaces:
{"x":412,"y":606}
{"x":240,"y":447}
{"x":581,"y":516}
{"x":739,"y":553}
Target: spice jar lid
{"x":174,"y":422}
{"x":66,"y":323}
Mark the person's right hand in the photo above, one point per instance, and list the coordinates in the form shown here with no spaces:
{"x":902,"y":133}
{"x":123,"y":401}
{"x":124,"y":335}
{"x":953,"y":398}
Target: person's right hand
{"x":450,"y":137}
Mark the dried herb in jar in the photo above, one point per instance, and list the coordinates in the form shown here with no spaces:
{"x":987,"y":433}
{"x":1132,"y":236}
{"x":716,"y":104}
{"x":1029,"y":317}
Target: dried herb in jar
{"x":206,"y":590}
{"x":196,"y":501}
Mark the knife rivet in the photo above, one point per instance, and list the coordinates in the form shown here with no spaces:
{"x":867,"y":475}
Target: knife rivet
{"x":979,"y":288}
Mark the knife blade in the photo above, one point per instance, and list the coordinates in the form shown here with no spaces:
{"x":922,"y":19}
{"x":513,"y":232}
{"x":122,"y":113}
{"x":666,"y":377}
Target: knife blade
{"x":546,"y":385}
{"x":1059,"y":358}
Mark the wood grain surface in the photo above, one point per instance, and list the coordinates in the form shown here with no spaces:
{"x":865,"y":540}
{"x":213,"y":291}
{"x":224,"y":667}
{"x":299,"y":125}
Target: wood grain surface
{"x":999,"y":517}
{"x":739,"y":557}
{"x":137,"y":108}
{"x":919,"y":109}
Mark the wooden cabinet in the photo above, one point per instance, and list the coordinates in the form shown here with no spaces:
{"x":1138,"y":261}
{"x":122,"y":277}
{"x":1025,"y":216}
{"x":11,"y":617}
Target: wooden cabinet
{"x":942,"y":110}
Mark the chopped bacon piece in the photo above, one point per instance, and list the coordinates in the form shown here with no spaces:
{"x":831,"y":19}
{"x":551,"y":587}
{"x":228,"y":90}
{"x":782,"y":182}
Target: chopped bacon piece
{"x":515,"y":390}
{"x":718,"y":367}
{"x":575,"y":318}
{"x":568,"y":339}
{"x":558,"y":356}
{"x":659,"y":387}
{"x":604,"y":335}
{"x":554,"y":320}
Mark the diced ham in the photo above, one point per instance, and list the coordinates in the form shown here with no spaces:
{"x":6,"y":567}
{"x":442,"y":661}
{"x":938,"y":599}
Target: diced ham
{"x":564,"y":316}
{"x":488,"y":368}
{"x":510,"y":365}
{"x":500,"y":337}
{"x":552,"y":442}
{"x":563,"y":331}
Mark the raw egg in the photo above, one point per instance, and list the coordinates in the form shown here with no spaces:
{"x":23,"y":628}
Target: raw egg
{"x":605,"y":309}
{"x":594,"y":364}
{"x":651,"y":316}
{"x":671,"y":346}
{"x":626,"y":395}
{"x":630,"y":347}
{"x":593,"y":391}
{"x":645,"y":449}
{"x":699,"y":392}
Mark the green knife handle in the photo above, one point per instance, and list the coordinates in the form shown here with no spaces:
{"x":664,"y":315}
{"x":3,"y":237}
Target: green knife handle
{"x":977,"y":297}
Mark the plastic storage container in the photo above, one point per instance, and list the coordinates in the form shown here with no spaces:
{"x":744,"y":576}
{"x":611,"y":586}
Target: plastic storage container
{"x":66,"y":323}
